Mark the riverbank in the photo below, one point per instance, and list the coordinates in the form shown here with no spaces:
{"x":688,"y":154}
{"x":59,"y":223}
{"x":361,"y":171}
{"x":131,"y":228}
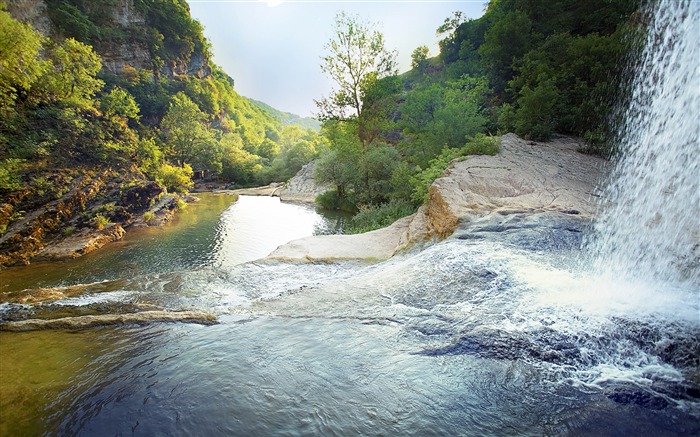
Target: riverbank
{"x":523,"y":181}
{"x":69,"y":212}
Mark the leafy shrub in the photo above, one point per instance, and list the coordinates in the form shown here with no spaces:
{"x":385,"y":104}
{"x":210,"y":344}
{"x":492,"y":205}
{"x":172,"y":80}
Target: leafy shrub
{"x":9,"y":174}
{"x":481,"y":145}
{"x":181,"y":204}
{"x":177,"y":179}
{"x":331,"y":201}
{"x":100,"y":221}
{"x":376,"y":217}
{"x":148,"y":216}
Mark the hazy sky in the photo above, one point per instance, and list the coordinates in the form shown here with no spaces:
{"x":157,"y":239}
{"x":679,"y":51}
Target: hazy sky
{"x":272,"y":48}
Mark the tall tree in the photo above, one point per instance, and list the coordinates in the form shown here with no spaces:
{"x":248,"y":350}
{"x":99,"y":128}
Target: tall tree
{"x":185,"y":130}
{"x":355,"y":57}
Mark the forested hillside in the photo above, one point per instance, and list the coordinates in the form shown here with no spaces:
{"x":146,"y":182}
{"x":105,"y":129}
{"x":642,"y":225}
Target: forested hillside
{"x":121,"y":93}
{"x":526,"y":66}
{"x":287,"y":118}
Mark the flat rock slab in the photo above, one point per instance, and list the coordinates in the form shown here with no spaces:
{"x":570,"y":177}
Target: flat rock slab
{"x":84,"y":322}
{"x":524,"y":177}
{"x":371,"y":246}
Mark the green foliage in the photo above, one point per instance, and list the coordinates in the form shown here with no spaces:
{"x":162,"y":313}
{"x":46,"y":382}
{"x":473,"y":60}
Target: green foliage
{"x":119,"y":103}
{"x":100,"y":221}
{"x":149,"y":157}
{"x":379,"y":216}
{"x":20,"y":64}
{"x":571,"y":51}
{"x":332,"y":201}
{"x":535,"y":117}
{"x":419,"y":58}
{"x":181,"y":204}
{"x":174,"y":33}
{"x":9,"y":174}
{"x":435,"y":116}
{"x":375,"y":168}
{"x":175,"y":179}
{"x":148,"y":216}
{"x":72,"y":76}
{"x":355,"y":57}
{"x":185,"y":130}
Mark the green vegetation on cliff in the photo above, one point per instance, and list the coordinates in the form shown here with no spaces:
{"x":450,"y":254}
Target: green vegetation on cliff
{"x":530,"y":67}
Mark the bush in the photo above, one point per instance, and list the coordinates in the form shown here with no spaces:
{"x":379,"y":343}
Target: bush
{"x":177,"y":179}
{"x":181,"y":204}
{"x":9,"y":174}
{"x":148,"y":216}
{"x":331,"y":201}
{"x":481,"y":144}
{"x":376,"y":217}
{"x":100,"y":221}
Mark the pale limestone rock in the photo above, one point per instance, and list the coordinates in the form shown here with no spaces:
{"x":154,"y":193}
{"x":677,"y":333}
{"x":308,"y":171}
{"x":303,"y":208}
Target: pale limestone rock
{"x":373,"y":246}
{"x":524,"y":177}
{"x":302,"y":187}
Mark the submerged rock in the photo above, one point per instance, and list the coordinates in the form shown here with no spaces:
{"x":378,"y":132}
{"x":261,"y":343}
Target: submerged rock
{"x":83,"y":322}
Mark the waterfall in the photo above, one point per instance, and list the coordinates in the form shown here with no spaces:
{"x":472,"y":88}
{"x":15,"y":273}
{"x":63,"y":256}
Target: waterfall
{"x":649,"y":227}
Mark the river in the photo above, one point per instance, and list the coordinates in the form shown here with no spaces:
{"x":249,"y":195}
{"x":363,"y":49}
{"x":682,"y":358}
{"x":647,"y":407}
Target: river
{"x":213,"y":231}
{"x":467,"y":337}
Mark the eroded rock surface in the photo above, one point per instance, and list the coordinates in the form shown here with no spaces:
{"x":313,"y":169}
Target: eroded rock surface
{"x":84,"y":322}
{"x":550,"y":180}
{"x":302,"y":187}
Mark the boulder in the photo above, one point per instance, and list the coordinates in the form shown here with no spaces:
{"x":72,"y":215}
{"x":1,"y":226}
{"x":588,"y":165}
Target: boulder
{"x":302,"y":187}
{"x":524,"y":177}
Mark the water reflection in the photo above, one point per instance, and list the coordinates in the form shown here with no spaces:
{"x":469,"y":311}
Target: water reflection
{"x":198,"y":236}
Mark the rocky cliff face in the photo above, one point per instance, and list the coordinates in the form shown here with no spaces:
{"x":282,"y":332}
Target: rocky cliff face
{"x":33,"y":12}
{"x":115,"y":57}
{"x":74,"y":213}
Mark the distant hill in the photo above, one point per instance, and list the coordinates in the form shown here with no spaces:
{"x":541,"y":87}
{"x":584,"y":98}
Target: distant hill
{"x":287,"y":117}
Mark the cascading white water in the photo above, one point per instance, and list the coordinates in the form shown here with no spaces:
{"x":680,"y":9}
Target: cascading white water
{"x":649,"y":229}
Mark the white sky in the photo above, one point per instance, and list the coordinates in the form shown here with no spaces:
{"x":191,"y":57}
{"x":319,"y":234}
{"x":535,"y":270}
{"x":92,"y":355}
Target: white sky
{"x":272,"y":48}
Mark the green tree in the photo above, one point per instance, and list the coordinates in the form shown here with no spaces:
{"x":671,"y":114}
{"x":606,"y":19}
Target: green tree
{"x":177,"y":179}
{"x":185,"y":130}
{"x":535,"y":117}
{"x":72,"y":77}
{"x":119,"y":103}
{"x":419,"y":58}
{"x":20,"y":64}
{"x":355,"y":56}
